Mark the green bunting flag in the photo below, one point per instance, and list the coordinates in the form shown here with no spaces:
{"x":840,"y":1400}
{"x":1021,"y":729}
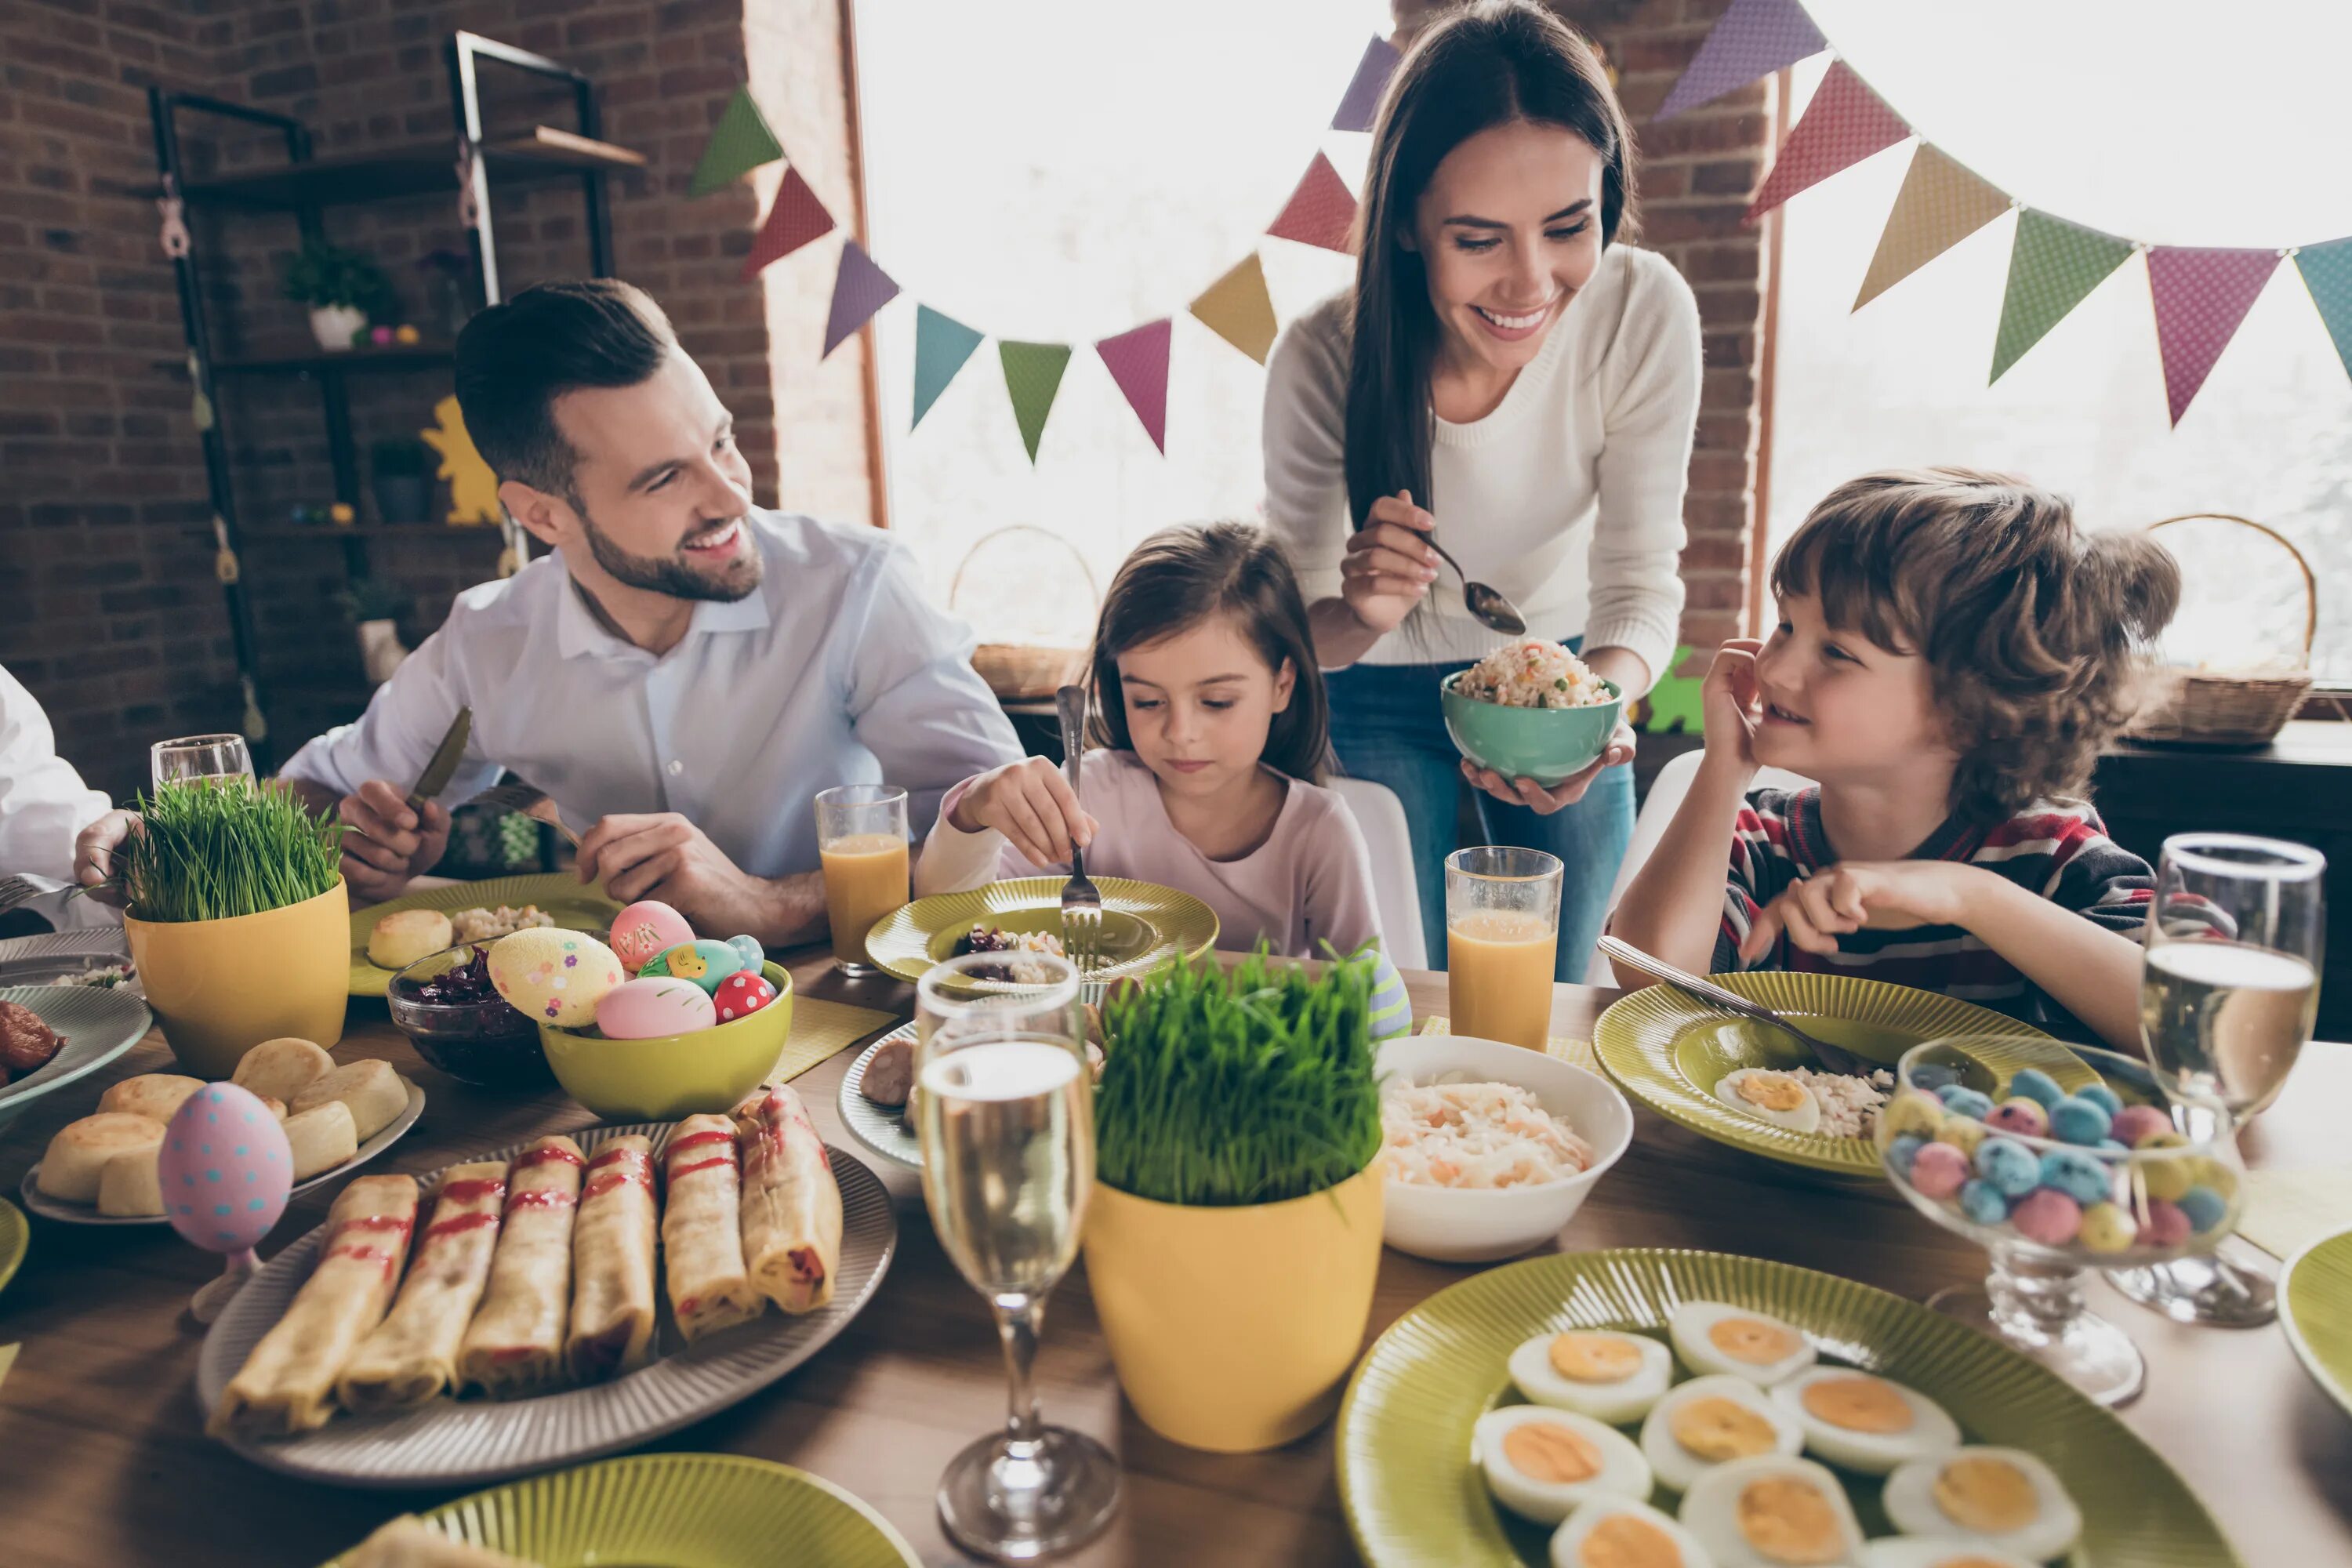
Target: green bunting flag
{"x":1677,"y":702}
{"x":2052,"y":265}
{"x":1033,"y":374}
{"x":2328,"y":272}
{"x":738,"y":144}
{"x":941,"y":346}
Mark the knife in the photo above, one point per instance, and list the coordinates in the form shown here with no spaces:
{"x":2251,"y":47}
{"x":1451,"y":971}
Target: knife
{"x":443,"y":765}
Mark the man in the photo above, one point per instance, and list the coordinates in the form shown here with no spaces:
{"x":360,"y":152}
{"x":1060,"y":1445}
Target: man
{"x":685,"y":671}
{"x":43,"y":804}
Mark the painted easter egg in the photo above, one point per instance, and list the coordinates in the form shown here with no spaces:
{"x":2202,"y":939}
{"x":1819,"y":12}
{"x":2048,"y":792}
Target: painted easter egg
{"x":645,"y":929}
{"x":742,"y":993}
{"x":224,"y":1169}
{"x":554,"y":975}
{"x":706,"y":962}
{"x":650,"y":1006}
{"x":753,"y":953}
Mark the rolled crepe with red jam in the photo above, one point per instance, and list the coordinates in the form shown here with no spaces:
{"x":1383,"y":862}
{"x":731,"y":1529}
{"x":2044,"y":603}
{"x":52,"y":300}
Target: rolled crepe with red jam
{"x":792,"y":1206}
{"x":515,"y":1344}
{"x":287,"y":1385}
{"x":412,"y":1356}
{"x":613,"y":1264}
{"x":701,"y":1229}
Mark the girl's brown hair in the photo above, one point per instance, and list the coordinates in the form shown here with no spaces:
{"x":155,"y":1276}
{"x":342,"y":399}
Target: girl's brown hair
{"x":2032,"y":629}
{"x":1179,"y":577}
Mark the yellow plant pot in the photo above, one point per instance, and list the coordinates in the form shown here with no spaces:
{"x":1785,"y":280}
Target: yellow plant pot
{"x":1233,"y":1329}
{"x":221,"y":987}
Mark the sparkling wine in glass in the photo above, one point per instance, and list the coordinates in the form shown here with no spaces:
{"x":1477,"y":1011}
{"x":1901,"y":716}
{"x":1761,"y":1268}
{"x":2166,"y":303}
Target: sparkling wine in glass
{"x":200,"y":759}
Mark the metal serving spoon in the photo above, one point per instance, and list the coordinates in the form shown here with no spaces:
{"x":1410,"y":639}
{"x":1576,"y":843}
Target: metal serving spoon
{"x":1490,"y":606}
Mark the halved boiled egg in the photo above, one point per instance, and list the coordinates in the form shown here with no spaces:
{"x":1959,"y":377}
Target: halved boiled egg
{"x":1618,"y":1532}
{"x":2003,"y":1498}
{"x":1771,"y":1512}
{"x":1712,"y":1336}
{"x":1711,"y":1421}
{"x":1865,"y":1423}
{"x":1770,"y":1096}
{"x":1918,"y":1552}
{"x":1610,"y":1376}
{"x":1543,"y":1463}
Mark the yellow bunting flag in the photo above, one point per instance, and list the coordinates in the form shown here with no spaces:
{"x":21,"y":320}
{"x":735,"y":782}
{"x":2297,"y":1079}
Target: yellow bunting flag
{"x":1940,"y":205}
{"x":1237,"y":308}
{"x":472,"y":488}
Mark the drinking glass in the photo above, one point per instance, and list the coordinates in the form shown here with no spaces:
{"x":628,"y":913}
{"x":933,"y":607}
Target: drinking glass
{"x":1004,"y":1106}
{"x":861,"y":841}
{"x":1502,"y":940}
{"x":2229,"y":992}
{"x":192,"y":759}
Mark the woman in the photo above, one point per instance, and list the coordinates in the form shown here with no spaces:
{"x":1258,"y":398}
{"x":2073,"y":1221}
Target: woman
{"x":1502,"y":363}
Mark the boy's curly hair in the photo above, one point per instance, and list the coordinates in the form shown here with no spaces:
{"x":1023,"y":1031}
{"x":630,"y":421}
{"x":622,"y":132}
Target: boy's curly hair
{"x":2032,"y":629}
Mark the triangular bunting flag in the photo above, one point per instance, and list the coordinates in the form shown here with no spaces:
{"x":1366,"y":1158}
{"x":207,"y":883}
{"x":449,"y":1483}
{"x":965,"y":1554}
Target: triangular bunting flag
{"x":1753,"y":38}
{"x":2201,"y":296}
{"x":1940,"y":205}
{"x":794,"y":218}
{"x":1845,"y":123}
{"x":738,"y":144}
{"x":1033,"y":374}
{"x":1321,"y":211}
{"x":1361,"y":102}
{"x":2053,"y":265}
{"x":1237,"y":308}
{"x":1137,"y":361}
{"x":859,"y":289}
{"x":941,"y":346}
{"x":2328,"y":272}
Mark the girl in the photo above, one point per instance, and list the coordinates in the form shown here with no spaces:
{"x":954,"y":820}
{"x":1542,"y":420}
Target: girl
{"x":1210,"y":715}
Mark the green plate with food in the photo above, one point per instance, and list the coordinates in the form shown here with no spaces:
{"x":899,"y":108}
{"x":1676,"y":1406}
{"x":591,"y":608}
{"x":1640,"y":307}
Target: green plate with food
{"x":1143,"y":924}
{"x":2315,"y":1307}
{"x":476,"y":912}
{"x":654,"y":1511}
{"x":1694,"y":1407}
{"x":1749,"y":1085}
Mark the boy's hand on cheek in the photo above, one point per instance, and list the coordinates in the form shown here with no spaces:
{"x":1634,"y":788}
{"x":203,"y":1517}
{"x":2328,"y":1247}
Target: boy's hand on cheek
{"x":1880,"y":895}
{"x":1731,"y":703}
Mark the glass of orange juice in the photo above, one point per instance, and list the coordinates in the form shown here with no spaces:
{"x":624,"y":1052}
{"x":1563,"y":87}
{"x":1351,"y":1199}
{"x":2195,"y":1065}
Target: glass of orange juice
{"x":861,"y":839}
{"x":1502,"y":937}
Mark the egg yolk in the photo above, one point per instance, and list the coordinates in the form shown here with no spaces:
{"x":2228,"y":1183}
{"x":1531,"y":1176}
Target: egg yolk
{"x":1594,"y":1358}
{"x":1627,"y":1540}
{"x":1771,"y":1092}
{"x":1753,"y":1341}
{"x":1988,"y":1495}
{"x":1860,"y":1405}
{"x":1549,"y":1452}
{"x":1786,"y":1520}
{"x":1718,"y":1429}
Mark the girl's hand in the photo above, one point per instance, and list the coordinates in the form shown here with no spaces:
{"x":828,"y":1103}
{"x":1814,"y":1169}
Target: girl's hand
{"x":1544,"y":802}
{"x":1880,"y":895}
{"x":1388,"y":567}
{"x":1732,"y":706}
{"x":1032,"y":805}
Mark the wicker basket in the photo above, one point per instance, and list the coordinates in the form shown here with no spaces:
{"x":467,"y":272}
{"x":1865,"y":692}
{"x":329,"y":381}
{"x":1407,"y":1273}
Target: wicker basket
{"x":2208,"y":708}
{"x":1016,"y":671}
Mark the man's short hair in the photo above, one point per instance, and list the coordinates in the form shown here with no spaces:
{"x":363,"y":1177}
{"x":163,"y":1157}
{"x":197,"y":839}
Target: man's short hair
{"x":514,"y":360}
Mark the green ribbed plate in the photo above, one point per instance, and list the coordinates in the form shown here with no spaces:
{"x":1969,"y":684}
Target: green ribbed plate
{"x":1413,"y":1499}
{"x":2315,"y":1307}
{"x":674,"y":1511}
{"x":1143,"y":923}
{"x":16,"y":1240}
{"x":1669,"y":1050}
{"x":575,"y":906}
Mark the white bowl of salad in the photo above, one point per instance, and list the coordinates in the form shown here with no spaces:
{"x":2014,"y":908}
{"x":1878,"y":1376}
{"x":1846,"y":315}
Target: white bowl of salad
{"x":1490,"y":1148}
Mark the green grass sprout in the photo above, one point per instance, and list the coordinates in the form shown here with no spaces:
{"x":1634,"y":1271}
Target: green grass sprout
{"x":213,"y":852}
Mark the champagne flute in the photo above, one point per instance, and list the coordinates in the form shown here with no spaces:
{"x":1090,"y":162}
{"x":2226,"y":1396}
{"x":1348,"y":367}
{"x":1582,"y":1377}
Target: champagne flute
{"x":2228,"y":996}
{"x":1004,"y":1106}
{"x":197,"y":759}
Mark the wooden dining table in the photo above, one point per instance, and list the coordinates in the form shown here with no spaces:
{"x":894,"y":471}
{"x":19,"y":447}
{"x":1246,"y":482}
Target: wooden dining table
{"x":103,"y":1460}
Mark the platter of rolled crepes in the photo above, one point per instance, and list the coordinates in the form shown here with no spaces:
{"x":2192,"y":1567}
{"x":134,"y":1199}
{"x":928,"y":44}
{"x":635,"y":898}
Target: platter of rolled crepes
{"x":550,"y":1301}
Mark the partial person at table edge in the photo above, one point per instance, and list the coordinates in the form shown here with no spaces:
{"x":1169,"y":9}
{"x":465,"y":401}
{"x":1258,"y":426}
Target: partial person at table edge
{"x":44,"y":807}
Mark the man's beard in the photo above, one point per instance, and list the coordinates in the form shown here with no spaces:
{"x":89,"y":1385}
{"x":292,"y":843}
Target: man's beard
{"x":736,"y":579}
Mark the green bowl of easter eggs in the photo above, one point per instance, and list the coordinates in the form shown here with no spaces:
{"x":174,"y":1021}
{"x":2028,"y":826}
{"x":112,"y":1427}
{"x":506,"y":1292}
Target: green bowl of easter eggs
{"x":665,"y":1076}
{"x":1549,"y":745}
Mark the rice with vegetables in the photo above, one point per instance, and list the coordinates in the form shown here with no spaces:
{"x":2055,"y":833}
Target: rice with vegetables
{"x":1476,"y":1135}
{"x":1849,"y":1102}
{"x":1534,"y":674}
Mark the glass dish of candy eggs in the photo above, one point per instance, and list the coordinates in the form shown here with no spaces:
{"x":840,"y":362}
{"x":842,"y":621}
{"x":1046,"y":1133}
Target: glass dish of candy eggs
{"x":2078,"y":1163}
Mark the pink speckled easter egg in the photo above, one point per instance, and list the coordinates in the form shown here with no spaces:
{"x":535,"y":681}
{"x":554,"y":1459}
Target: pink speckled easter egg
{"x":742,"y":993}
{"x":1939,"y":1170}
{"x":2022,"y":1116}
{"x":2133,"y":1122}
{"x":2166,"y":1225}
{"x":2047,"y":1215}
{"x":646,"y":928}
{"x":225,"y":1169}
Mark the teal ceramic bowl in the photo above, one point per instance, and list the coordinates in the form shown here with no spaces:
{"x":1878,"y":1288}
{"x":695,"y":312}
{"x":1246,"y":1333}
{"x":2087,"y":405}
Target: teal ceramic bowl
{"x":1546,"y":744}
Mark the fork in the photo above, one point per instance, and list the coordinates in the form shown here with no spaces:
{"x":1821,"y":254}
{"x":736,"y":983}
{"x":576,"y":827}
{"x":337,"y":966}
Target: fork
{"x":1081,"y":904}
{"x":16,"y":891}
{"x":1833,"y":1058}
{"x":529,"y":800}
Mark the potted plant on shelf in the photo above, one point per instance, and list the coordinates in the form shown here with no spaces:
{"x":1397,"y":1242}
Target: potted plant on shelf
{"x":344,"y":289}
{"x":1235,"y":1226}
{"x":373,"y":606}
{"x":237,"y":920}
{"x":400,"y":473}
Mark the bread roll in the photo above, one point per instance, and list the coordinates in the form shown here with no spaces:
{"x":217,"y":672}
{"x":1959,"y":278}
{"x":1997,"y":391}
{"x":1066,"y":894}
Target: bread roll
{"x":155,"y":1095}
{"x":403,"y":937}
{"x":130,"y":1187}
{"x":375,"y":1093}
{"x":77,"y":1157}
{"x":277,"y":1069}
{"x":322,"y":1138}
{"x":275,"y":1107}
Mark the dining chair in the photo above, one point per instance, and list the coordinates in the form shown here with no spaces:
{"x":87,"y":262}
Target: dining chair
{"x":1396,"y":893}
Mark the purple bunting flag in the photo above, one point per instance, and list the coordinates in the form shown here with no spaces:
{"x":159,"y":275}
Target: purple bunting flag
{"x":2201,"y":296}
{"x":1361,"y":103}
{"x":1753,"y":38}
{"x":859,"y":289}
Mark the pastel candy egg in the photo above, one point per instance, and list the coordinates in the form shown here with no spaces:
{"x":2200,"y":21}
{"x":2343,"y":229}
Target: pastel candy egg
{"x":2165,"y":1139}
{"x":2205,"y":1208}
{"x":2022,"y":1116}
{"x":651,"y":1006}
{"x":2108,"y":1228}
{"x":224,"y":1168}
{"x":1961,"y":1100}
{"x":2164,"y":1226}
{"x":2100,"y":1095}
{"x":2033,"y":1084}
{"x":1902,"y":1150}
{"x":555,"y":975}
{"x":2133,"y":1122}
{"x":1983,"y":1201}
{"x":2165,"y":1178}
{"x":2213,"y":1174}
{"x":1939,"y":1170}
{"x":742,"y":994}
{"x":1934,"y":1077}
{"x":2078,"y":1175}
{"x":646,"y":928}
{"x":1962,"y":1134}
{"x":706,"y":962}
{"x":2048,"y":1216}
{"x":753,"y":954}
{"x":2009,"y":1168}
{"x":2077,"y":1120}
{"x":1910,"y":1112}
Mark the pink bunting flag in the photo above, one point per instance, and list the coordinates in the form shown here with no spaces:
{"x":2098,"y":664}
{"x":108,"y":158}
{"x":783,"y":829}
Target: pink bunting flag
{"x":1137,"y":361}
{"x":1320,"y":212}
{"x":1845,"y":123}
{"x":1361,"y":103}
{"x":2201,"y":296}
{"x":859,"y":289}
{"x":794,"y":218}
{"x":1753,"y":38}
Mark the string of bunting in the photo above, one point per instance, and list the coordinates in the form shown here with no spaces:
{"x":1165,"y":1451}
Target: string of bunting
{"x":2201,"y":294}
